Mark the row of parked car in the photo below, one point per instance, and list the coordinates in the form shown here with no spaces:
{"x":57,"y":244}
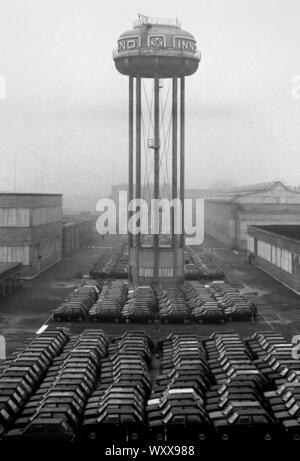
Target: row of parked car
{"x":235,"y":305}
{"x":140,"y":306}
{"x":109,"y":305}
{"x":171,"y":304}
{"x":117,"y":301}
{"x":202,"y":305}
{"x":200,"y":266}
{"x":279,"y":361}
{"x":56,"y":409}
{"x":192,"y":301}
{"x":112,"y":264}
{"x":117,"y":404}
{"x":76,"y":306}
{"x":64,"y":387}
{"x":176,"y":407}
{"x":235,"y":402}
{"x":23,"y":372}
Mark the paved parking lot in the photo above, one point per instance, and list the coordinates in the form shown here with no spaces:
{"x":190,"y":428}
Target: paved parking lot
{"x":278,"y":307}
{"x":22,"y":314}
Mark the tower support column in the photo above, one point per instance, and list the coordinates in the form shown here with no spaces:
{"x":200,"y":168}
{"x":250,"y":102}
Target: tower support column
{"x":156,"y":174}
{"x":174,"y":167}
{"x":138,"y":115}
{"x":130,"y":155}
{"x":182,"y":154}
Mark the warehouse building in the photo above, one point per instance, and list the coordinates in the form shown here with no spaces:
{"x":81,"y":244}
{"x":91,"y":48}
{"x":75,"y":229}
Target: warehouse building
{"x":276,"y":250}
{"x":228,"y":214}
{"x":78,"y":230}
{"x":9,"y":278}
{"x":70,"y":238}
{"x":30,"y":231}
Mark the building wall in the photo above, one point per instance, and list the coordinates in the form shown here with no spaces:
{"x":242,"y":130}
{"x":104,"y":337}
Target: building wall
{"x":263,"y":218}
{"x":78,"y":234}
{"x":228,"y":221}
{"x":278,"y":256}
{"x":31,"y":231}
{"x":9,"y":281}
{"x":70,"y":238}
{"x":220,"y":222}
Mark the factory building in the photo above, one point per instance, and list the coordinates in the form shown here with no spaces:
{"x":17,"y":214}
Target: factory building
{"x":70,"y":238}
{"x":30,"y":231}
{"x":9,"y":278}
{"x":228,"y":214}
{"x":276,"y":250}
{"x":78,"y":230}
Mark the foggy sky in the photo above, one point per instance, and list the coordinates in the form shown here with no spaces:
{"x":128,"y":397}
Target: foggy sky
{"x":64,"y":120}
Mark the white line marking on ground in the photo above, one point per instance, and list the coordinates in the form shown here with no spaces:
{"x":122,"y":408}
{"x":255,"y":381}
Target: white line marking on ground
{"x":42,"y":329}
{"x":267,"y":321}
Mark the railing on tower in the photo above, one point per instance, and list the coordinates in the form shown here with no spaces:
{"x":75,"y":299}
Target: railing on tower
{"x":147,"y":51}
{"x":145,"y":20}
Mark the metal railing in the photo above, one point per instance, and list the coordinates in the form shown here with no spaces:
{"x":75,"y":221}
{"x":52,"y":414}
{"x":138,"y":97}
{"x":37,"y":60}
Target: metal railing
{"x":157,"y":52}
{"x":145,"y":20}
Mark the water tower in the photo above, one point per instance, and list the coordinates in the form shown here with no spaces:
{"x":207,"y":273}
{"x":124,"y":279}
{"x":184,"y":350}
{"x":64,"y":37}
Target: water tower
{"x":157,"y":49}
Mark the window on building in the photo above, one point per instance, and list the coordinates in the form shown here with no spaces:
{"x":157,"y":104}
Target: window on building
{"x":264,"y":250}
{"x":250,"y":243}
{"x":146,"y":272}
{"x":296,"y":264}
{"x":14,"y":217}
{"x":278,"y":257}
{"x":15,"y":254}
{"x":274,"y":254}
{"x":166,"y":272}
{"x":44,"y":215}
{"x":286,"y":261}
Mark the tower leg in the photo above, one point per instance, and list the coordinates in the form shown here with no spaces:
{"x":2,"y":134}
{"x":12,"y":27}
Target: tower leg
{"x":130,"y":161}
{"x":156,"y":173}
{"x":138,"y":166}
{"x":182,"y":154}
{"x":174,"y":168}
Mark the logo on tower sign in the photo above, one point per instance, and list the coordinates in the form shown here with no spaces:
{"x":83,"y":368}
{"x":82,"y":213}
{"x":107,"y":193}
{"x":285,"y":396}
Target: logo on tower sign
{"x":156,"y":41}
{"x":185,"y":44}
